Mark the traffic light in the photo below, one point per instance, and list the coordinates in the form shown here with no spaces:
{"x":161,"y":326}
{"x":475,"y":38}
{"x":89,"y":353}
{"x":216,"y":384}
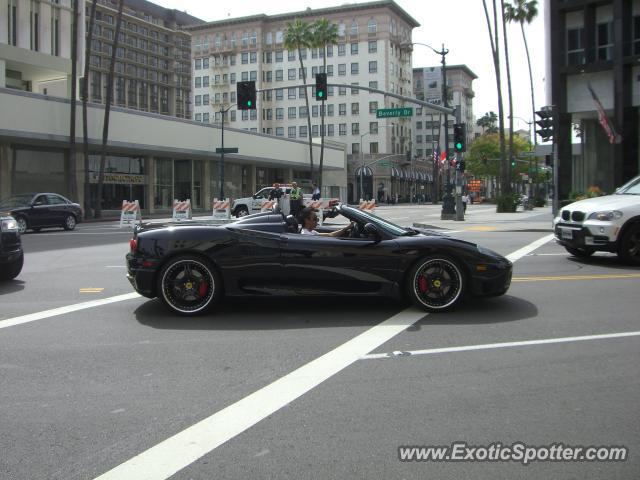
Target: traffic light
{"x":246,"y":95}
{"x":513,"y":162}
{"x":545,"y":123}
{"x":460,"y":137}
{"x":321,"y":86}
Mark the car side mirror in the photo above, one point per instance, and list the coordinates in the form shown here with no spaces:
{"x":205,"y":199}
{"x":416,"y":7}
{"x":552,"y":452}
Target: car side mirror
{"x":371,"y":230}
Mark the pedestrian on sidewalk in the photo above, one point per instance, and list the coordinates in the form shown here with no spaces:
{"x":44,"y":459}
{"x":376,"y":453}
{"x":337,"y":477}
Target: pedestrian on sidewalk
{"x":465,"y":200}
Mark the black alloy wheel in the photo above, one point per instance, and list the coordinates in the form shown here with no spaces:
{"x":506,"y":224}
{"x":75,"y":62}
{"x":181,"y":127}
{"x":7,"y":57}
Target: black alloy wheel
{"x":579,"y":252}
{"x":22,"y":225}
{"x":436,"y":283}
{"x":69,"y":222}
{"x":629,"y":247}
{"x":189,"y":285}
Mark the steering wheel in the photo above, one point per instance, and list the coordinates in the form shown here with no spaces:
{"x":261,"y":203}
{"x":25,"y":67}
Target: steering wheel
{"x":356,"y":230}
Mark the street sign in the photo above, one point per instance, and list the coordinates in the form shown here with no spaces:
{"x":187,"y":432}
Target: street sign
{"x":227,"y":150}
{"x":384,"y":164}
{"x":527,"y":154}
{"x":394,"y":112}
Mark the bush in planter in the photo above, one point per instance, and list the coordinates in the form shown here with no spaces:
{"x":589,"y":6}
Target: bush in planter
{"x":539,"y":202}
{"x":507,"y":203}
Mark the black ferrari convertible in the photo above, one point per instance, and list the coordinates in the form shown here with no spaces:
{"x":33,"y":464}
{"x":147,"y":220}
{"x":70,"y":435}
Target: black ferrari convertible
{"x":190,"y":266}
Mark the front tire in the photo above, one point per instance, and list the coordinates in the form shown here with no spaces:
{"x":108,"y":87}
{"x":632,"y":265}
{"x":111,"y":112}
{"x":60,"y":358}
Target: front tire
{"x":241,"y":212}
{"x":436,"y":283}
{"x":188,"y":285}
{"x":69,"y":222}
{"x":13,"y":269}
{"x":579,"y":252}
{"x":22,"y":225}
{"x":629,"y":247}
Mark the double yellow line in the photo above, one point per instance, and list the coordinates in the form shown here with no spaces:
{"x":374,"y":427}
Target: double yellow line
{"x":576,"y":277}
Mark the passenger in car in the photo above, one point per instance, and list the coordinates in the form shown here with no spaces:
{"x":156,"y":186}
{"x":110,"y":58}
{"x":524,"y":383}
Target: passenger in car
{"x":309,"y":218}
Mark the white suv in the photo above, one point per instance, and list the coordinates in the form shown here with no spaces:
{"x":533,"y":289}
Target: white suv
{"x":249,"y":205}
{"x":608,"y":224}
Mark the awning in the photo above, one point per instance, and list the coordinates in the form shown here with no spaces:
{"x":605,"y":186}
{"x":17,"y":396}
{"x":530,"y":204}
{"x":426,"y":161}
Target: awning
{"x":366,"y":173}
{"x":395,"y":172}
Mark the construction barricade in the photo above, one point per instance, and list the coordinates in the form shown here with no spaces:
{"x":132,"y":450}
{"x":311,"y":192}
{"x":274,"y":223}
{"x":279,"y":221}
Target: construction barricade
{"x":130,"y":213}
{"x":182,"y":210}
{"x":221,"y":209}
{"x":367,"y":205}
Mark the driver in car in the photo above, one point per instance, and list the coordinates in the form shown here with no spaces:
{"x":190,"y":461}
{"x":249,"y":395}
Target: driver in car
{"x":309,"y":218}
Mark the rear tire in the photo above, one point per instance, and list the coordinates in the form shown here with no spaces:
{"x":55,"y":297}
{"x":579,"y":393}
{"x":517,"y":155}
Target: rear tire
{"x":579,"y":252}
{"x":629,"y":246}
{"x":69,"y":222}
{"x":436,"y":283}
{"x":189,"y":285}
{"x":13,"y":269}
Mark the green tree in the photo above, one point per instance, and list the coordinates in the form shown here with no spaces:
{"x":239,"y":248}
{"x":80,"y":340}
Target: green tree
{"x":488,"y":123}
{"x":483,"y":156}
{"x":523,"y":11}
{"x":296,"y":37}
{"x":324,"y":33}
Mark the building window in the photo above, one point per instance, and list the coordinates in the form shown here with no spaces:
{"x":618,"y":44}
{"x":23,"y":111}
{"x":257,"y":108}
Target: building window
{"x":355,"y":68}
{"x":303,"y":131}
{"x":314,"y":111}
{"x":244,"y":58}
{"x":342,"y":129}
{"x":205,"y":99}
{"x":342,"y":109}
{"x":330,"y":110}
{"x":373,"y":66}
{"x":575,"y":46}
{"x":373,"y":147}
{"x":342,"y":49}
{"x":355,"y":129}
{"x":253,"y":57}
{"x":330,"y":130}
{"x":604,"y":41}
{"x":279,"y":75}
{"x":279,"y":94}
{"x":373,"y":107}
{"x":355,"y":148}
{"x":292,"y":112}
{"x":292,"y":132}
{"x":291,"y":55}
{"x":198,"y":82}
{"x":291,"y":93}
{"x":279,"y":113}
{"x":373,"y":128}
{"x":205,"y":63}
{"x":342,"y":69}
{"x":205,"y":81}
{"x":373,"y":84}
{"x":329,"y":70}
{"x":278,"y":56}
{"x":198,"y":63}
{"x":279,"y":131}
{"x":355,"y":109}
{"x":205,"y":117}
{"x":354,"y":28}
{"x":291,"y":74}
{"x":372,"y":26}
{"x":354,"y":49}
{"x":373,"y":46}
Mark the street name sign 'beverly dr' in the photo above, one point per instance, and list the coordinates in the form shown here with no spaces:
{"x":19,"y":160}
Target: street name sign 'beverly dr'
{"x":394,"y":112}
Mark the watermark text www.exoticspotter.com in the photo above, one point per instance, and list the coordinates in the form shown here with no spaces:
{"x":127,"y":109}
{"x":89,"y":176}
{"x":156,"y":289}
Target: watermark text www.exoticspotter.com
{"x":516,"y":452}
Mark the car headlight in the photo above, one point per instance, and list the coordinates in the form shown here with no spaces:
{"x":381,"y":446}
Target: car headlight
{"x":606,"y":216}
{"x":9,"y":225}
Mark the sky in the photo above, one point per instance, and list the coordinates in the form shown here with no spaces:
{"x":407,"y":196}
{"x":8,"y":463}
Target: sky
{"x":458,"y":24}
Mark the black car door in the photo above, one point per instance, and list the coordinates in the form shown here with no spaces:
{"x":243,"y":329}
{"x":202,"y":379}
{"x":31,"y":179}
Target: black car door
{"x":326,"y":265}
{"x":58,"y":208}
{"x":39,"y":214}
{"x":253,"y":264}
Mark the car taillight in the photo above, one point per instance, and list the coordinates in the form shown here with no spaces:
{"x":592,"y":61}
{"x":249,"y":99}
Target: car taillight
{"x":133,"y":244}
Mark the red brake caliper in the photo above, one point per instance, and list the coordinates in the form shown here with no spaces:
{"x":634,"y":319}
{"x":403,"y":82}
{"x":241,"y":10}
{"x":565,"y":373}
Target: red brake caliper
{"x":202,"y":289}
{"x":423,"y":285}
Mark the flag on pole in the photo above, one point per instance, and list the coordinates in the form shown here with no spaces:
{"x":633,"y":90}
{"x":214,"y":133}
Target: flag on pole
{"x":603,"y":119}
{"x":443,"y":157}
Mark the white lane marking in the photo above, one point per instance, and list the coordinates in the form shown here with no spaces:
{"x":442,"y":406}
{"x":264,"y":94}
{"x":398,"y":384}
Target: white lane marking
{"x":548,"y":254}
{"x":397,"y":218}
{"x":175,"y":453}
{"x":527,"y":249}
{"x":490,"y":346}
{"x":115,"y":266}
{"x":32,"y":317}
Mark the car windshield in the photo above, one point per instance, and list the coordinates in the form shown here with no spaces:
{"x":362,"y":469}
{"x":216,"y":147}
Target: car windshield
{"x":630,"y":188}
{"x":16,"y":201}
{"x":385,"y":224}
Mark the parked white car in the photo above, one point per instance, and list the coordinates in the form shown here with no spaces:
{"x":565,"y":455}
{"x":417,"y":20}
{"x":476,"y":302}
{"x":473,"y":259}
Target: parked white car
{"x":608,"y":224}
{"x":253,"y":204}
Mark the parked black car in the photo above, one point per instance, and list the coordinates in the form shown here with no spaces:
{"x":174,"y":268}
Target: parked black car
{"x":190,"y":266}
{"x":11,"y":255}
{"x":39,"y":210}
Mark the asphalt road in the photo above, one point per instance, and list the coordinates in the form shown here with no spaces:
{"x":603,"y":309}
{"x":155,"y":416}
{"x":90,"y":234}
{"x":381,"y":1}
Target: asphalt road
{"x":315,"y":388}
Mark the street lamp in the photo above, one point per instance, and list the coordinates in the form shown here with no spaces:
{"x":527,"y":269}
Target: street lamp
{"x":448,"y":202}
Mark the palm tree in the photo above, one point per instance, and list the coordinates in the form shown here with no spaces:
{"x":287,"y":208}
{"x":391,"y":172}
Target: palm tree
{"x":495,"y":50}
{"x":107,"y":111}
{"x":488,"y":123}
{"x":510,"y":93}
{"x":72,"y":178}
{"x":296,"y":37}
{"x":85,"y":99}
{"x":324,"y":33}
{"x":524,"y":11}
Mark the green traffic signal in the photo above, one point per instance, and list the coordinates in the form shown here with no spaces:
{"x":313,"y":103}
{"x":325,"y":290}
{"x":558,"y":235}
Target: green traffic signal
{"x":459,"y":146}
{"x":320,"y":94}
{"x":248,"y":103}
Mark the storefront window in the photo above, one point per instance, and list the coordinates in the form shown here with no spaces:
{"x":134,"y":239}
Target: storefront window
{"x":39,"y":171}
{"x":163,"y":183}
{"x":124,"y":179}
